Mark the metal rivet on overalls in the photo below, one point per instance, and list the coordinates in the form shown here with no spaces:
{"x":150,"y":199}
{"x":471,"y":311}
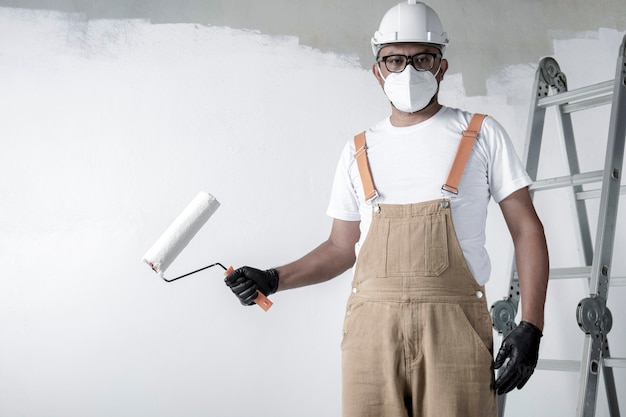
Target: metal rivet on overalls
{"x":445,"y":203}
{"x":348,"y":313}
{"x":353,"y":290}
{"x":479,"y":294}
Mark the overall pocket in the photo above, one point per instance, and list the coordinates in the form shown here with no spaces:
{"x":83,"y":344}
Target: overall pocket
{"x":408,"y":246}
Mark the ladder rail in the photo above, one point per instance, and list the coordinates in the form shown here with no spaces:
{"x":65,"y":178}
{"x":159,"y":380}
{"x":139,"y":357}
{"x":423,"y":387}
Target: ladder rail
{"x":547,"y":75}
{"x":596,"y":343}
{"x":609,"y":379}
{"x":611,"y":183}
{"x":578,"y":206}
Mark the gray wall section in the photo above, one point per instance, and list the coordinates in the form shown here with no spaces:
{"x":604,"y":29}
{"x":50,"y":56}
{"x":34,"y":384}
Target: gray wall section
{"x":486,"y":35}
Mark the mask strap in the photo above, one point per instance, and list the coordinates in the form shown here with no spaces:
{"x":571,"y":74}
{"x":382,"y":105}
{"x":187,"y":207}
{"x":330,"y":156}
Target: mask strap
{"x":438,"y":69}
{"x":380,"y":72}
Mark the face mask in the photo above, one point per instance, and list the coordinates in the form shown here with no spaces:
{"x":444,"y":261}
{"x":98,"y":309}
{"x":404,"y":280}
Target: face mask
{"x":410,"y":90}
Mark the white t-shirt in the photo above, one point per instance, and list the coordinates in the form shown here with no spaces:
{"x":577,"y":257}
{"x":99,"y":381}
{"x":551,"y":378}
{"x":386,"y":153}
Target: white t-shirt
{"x":410,"y":164}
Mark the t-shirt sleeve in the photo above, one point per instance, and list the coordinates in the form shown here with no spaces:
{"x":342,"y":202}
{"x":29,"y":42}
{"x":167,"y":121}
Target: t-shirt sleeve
{"x":506,"y":171}
{"x":344,"y":204}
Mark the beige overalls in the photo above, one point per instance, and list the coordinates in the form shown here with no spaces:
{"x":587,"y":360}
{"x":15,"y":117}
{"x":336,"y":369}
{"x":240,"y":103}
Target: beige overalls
{"x":417,"y":332}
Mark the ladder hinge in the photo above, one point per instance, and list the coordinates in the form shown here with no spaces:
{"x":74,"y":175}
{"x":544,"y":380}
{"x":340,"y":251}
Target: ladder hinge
{"x":503,"y":316}
{"x":594,"y":317}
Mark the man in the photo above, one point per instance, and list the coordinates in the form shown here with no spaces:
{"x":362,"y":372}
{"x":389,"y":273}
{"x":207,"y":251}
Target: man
{"x":417,"y":332}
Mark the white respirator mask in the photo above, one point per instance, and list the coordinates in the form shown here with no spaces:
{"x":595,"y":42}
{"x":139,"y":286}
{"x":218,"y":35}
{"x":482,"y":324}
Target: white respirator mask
{"x":410,"y":90}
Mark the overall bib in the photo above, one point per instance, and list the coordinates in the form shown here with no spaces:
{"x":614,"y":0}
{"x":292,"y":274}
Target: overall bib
{"x":417,"y":333}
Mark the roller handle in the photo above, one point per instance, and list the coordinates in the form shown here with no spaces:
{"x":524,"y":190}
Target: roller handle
{"x":261,"y":300}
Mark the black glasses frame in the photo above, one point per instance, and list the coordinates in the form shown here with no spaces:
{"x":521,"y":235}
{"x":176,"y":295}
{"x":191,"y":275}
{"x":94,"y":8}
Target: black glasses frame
{"x":409,"y":58}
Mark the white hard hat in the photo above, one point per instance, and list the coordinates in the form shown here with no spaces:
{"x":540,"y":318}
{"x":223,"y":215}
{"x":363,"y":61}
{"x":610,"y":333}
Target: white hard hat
{"x":410,"y":21}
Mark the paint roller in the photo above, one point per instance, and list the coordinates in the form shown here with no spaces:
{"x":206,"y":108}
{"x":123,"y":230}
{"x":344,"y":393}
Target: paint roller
{"x":165,"y":250}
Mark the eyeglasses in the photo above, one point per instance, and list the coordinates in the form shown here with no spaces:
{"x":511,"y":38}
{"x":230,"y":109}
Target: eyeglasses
{"x":397,"y":63}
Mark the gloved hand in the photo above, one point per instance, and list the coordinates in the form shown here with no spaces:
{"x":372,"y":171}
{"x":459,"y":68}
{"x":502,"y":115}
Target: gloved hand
{"x":521,"y":347}
{"x":245,"y":281}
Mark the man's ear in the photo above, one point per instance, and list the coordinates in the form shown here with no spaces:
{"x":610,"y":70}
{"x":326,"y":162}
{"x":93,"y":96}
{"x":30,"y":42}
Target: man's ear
{"x":376,"y":72}
{"x":443,"y":69}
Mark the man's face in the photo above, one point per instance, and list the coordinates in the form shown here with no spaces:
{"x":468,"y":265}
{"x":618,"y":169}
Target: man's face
{"x":409,"y":49}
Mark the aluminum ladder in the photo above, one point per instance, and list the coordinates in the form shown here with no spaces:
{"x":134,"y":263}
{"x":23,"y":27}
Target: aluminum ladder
{"x":592,"y":314}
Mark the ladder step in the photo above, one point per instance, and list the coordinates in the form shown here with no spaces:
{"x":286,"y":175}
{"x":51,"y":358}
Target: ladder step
{"x":574,"y":366}
{"x":589,"y":104}
{"x":567,"y":181}
{"x":586,"y":195}
{"x":571,"y":273}
{"x":558,"y":365}
{"x":578,"y":273}
{"x":581,"y":98}
{"x":617,"y":282}
{"x":615,"y":362}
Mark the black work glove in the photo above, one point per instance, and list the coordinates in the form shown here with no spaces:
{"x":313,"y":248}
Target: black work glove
{"x":521,"y":347}
{"x":245,"y":281}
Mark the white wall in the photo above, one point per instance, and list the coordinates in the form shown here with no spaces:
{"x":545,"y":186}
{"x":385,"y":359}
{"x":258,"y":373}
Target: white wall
{"x":110,"y":127}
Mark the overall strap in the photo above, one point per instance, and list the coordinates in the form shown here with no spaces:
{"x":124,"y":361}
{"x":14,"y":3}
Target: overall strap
{"x":364,"y":168}
{"x":462,"y":154}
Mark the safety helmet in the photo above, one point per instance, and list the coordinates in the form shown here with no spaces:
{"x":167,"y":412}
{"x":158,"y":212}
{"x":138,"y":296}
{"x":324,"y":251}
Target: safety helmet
{"x":410,"y":21}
